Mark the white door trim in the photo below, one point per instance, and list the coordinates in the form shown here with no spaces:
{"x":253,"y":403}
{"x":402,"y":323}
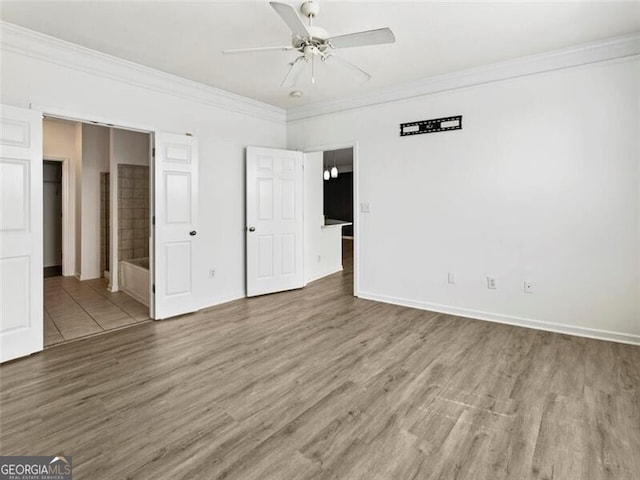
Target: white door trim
{"x":356,"y":203}
{"x":68,"y":227}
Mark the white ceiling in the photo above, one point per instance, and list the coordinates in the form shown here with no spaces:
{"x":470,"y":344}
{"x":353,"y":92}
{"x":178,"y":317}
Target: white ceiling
{"x":185,"y":38}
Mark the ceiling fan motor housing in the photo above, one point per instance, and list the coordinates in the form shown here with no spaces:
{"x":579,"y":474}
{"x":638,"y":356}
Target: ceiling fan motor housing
{"x":319,"y":38}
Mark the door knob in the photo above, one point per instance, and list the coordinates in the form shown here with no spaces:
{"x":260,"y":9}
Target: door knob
{"x":193,"y":233}
{"x":252,"y":229}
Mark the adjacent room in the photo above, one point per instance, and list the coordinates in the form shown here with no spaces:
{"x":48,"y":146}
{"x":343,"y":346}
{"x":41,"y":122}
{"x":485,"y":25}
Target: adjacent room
{"x":81,"y":296}
{"x":320,"y":240}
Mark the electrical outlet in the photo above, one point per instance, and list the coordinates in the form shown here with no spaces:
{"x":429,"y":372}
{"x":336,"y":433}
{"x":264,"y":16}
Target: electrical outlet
{"x":365,"y":207}
{"x":451,"y":278}
{"x":212,"y":273}
{"x":528,"y":287}
{"x":491,"y":283}
{"x":319,"y":258}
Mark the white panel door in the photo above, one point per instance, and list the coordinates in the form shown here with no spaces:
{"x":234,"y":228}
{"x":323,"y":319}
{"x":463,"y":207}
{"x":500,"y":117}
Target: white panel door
{"x":21,"y":311}
{"x":175,"y":211}
{"x":275,"y":227}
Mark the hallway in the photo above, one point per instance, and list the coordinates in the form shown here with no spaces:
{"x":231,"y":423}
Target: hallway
{"x":75,"y":309}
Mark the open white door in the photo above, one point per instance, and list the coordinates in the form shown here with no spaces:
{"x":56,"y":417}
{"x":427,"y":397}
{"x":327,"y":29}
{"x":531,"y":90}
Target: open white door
{"x":21,"y":311}
{"x":275,"y":223}
{"x":175,"y":214}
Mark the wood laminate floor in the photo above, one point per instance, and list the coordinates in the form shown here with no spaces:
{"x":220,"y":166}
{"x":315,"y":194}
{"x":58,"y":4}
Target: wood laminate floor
{"x":316,"y":384}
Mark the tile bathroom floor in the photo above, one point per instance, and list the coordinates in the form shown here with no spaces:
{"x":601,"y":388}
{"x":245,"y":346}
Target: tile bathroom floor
{"x":75,"y":309}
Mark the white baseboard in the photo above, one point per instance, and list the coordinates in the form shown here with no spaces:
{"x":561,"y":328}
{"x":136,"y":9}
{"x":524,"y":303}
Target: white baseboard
{"x":325,"y":273}
{"x":226,"y":299}
{"x":594,"y":333}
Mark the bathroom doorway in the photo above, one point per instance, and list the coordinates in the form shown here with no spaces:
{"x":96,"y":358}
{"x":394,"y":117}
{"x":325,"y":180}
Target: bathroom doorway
{"x":96,"y":223}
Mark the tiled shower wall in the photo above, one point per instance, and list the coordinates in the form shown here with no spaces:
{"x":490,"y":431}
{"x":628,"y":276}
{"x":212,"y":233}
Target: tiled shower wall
{"x":133,"y":211}
{"x":105,"y":213}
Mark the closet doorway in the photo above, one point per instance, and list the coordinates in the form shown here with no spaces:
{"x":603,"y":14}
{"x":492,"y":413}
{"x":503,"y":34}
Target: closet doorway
{"x":52,"y":217}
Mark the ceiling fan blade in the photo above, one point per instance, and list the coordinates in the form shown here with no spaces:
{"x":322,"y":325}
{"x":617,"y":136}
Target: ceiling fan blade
{"x":354,"y":68}
{"x":291,"y":18}
{"x":360,"y":39}
{"x":294,"y":72}
{"x":257,"y":49}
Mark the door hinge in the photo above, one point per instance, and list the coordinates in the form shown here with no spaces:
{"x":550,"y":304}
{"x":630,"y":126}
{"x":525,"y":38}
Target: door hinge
{"x":153,"y":152}
{"x":153,"y":220}
{"x":153,"y":288}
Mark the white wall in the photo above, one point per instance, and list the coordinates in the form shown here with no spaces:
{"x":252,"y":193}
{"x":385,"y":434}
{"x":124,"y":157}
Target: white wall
{"x":129,"y":148}
{"x":313,"y":217}
{"x":95,"y":159}
{"x":542,"y":184}
{"x":34,"y":77}
{"x":61,"y":140}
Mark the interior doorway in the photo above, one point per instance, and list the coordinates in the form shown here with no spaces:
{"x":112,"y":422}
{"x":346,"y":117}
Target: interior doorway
{"x":338,"y":188}
{"x":331,"y":193}
{"x":96,"y":222}
{"x":52,"y":217}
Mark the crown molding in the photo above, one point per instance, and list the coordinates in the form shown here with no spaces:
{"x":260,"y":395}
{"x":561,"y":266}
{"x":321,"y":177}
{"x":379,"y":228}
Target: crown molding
{"x":33,"y":44}
{"x":27,"y":42}
{"x":604,"y":50}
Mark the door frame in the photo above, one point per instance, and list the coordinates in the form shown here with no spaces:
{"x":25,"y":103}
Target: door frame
{"x":356,"y":202}
{"x":68,"y":249}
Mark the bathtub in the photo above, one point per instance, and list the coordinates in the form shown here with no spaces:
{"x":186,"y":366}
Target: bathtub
{"x":134,"y":278}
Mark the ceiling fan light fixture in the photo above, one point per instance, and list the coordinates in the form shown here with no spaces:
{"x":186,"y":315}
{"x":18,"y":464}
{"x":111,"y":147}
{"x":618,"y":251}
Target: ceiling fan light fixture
{"x":311,"y":41}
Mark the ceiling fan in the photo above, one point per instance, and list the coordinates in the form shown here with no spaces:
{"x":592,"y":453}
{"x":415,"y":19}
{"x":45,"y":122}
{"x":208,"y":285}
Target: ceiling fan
{"x":311,"y":42}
